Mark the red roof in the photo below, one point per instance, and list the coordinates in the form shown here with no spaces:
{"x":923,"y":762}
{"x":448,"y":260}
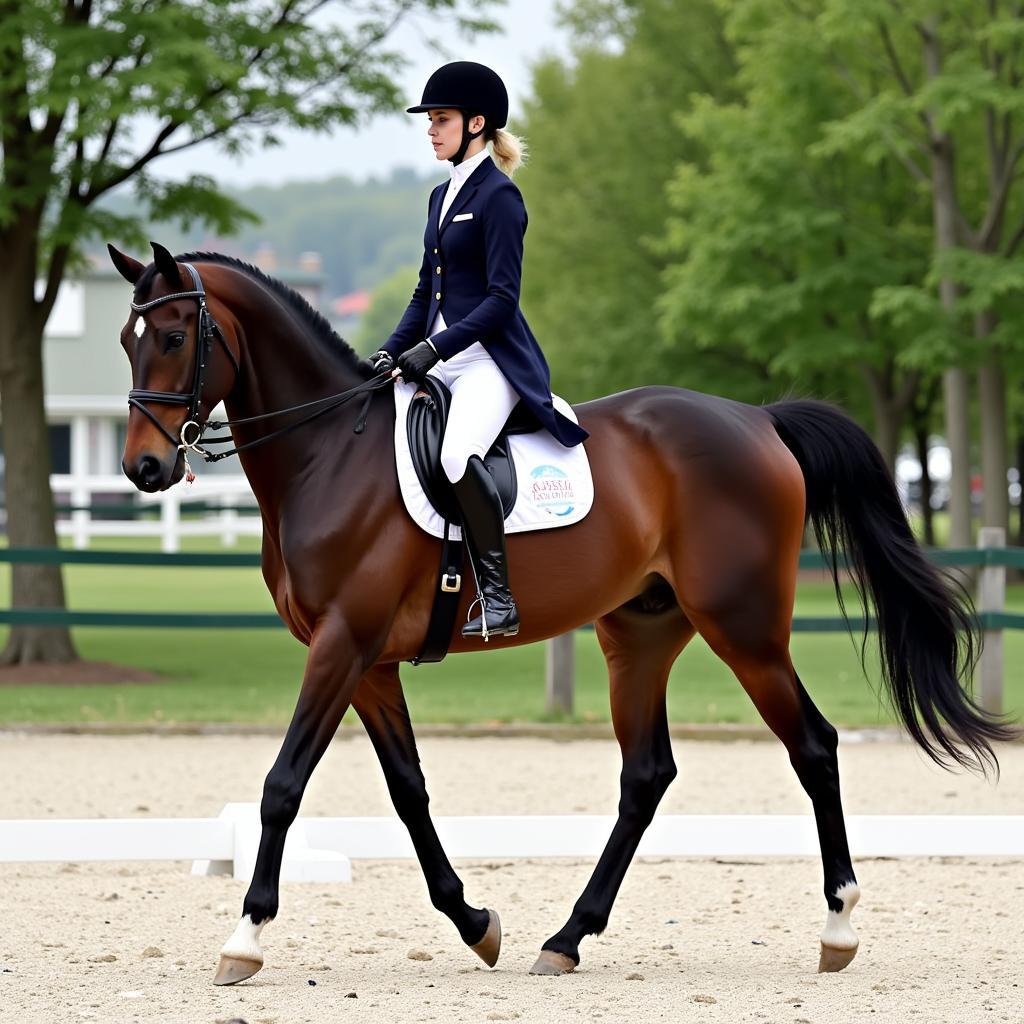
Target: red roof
{"x":352,"y":304}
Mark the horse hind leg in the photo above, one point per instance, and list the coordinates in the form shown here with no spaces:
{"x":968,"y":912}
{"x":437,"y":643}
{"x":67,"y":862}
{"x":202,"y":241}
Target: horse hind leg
{"x":753,"y":639}
{"x":640,"y":642}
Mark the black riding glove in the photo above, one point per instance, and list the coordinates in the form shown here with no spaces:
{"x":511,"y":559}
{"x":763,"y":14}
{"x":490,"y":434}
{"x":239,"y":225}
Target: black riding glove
{"x":415,"y":362}
{"x":382,"y":361}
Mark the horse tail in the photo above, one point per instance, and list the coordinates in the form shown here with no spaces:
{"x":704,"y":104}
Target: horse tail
{"x":928,"y":636}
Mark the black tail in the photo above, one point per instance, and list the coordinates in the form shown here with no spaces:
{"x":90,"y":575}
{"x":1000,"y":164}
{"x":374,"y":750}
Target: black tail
{"x":927,"y":632}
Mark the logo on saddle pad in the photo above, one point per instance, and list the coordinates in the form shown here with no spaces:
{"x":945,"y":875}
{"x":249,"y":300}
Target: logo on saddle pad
{"x":552,"y":490}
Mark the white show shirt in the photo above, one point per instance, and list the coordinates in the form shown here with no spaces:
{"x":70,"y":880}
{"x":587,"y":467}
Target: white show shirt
{"x":459,"y":176}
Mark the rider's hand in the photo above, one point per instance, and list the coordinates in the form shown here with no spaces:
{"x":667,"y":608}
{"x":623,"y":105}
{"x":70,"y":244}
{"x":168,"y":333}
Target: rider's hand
{"x":414,"y":363}
{"x":382,"y":361}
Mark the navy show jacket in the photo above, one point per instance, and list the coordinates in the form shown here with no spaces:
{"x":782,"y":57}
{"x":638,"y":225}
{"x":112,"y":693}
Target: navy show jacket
{"x":472,"y":267}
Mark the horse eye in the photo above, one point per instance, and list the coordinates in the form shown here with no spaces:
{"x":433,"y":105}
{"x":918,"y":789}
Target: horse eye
{"x":176,"y":340}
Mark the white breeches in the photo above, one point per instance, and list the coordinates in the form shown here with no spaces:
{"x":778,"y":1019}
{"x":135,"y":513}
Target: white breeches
{"x":482,"y":400}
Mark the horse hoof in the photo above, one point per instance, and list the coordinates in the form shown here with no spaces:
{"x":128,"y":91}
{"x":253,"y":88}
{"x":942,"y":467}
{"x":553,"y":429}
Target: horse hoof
{"x":833,"y":959}
{"x":489,"y":946}
{"x":550,"y":962}
{"x":231,"y":970}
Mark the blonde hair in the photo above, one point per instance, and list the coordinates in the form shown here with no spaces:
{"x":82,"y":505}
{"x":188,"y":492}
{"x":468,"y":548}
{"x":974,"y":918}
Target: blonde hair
{"x":509,"y":151}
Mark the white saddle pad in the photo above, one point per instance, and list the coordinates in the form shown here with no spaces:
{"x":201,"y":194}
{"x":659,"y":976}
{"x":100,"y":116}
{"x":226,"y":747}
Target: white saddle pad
{"x":555,"y":487}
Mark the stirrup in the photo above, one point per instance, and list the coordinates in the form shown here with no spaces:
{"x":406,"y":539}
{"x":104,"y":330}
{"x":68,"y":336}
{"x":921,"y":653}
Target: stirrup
{"x":486,"y":633}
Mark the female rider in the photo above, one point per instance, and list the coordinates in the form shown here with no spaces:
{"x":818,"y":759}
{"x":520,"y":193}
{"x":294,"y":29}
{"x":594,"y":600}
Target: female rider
{"x":463,"y":324}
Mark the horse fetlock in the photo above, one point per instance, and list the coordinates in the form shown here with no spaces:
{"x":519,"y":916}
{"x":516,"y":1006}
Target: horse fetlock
{"x":838,"y":939}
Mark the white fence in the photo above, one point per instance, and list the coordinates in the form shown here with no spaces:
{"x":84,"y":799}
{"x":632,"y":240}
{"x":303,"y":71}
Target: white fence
{"x":230,"y":491}
{"x":320,"y":849}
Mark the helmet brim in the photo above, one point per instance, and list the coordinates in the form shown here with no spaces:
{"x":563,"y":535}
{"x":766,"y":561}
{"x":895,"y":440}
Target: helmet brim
{"x":423,"y":107}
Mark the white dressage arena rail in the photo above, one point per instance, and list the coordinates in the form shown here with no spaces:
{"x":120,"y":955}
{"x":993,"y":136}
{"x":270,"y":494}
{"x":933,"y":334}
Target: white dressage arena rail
{"x":321,"y":849}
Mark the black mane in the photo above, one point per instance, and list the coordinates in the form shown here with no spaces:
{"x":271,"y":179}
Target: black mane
{"x":319,"y":327}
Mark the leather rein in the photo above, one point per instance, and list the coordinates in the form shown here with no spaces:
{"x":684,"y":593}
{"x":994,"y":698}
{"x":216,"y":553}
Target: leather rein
{"x":209,"y":329}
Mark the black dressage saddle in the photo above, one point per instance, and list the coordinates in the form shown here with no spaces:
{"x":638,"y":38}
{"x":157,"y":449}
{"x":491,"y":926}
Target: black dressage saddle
{"x":425,"y":425}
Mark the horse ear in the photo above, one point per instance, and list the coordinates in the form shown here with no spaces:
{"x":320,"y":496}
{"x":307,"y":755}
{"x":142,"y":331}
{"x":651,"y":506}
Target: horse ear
{"x":166,"y":266}
{"x":131,"y":270}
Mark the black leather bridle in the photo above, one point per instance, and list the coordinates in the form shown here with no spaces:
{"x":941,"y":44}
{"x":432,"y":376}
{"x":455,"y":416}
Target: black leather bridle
{"x":207,"y":330}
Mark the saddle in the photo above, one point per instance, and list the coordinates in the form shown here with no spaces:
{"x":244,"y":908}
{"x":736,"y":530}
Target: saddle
{"x":425,"y":425}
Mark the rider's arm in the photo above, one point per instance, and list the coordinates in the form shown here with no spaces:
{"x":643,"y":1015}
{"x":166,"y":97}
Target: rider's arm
{"x":504,"y":224}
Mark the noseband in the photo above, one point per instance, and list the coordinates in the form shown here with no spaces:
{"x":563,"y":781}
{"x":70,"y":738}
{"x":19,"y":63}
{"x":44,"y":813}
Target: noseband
{"x":208,"y":329}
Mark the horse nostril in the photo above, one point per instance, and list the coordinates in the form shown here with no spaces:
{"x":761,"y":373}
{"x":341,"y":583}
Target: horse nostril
{"x":149,"y":471}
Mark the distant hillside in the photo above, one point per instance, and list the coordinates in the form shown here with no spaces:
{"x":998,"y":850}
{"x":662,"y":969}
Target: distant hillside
{"x":363,"y":231}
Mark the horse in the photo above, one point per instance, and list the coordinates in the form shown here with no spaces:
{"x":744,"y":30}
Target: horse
{"x":698,"y":521}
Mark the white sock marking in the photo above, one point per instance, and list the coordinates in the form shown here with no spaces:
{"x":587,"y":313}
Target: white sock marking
{"x":838,"y":932}
{"x":244,"y":943}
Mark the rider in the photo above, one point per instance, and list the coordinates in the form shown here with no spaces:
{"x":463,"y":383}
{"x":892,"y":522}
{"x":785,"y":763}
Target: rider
{"x":463,"y":324}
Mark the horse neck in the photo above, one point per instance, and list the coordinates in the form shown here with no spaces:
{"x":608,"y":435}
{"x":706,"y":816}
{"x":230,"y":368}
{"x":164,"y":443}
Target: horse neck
{"x":281,"y":364}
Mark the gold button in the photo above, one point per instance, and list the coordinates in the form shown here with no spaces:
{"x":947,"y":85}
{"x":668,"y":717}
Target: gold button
{"x":437,"y":295}
{"x":439,"y":270}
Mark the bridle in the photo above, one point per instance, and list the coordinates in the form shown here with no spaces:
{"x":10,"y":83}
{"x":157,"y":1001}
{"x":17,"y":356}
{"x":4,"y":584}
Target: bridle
{"x":207,"y":330}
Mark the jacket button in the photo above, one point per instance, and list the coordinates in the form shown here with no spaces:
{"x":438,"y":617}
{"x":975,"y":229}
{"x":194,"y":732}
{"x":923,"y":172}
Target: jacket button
{"x":435,"y":252}
{"x":437,"y":295}
{"x":439,"y":270}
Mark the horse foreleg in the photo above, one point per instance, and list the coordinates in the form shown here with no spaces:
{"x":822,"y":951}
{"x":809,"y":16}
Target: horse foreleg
{"x":640,"y":649}
{"x":380,"y":704}
{"x":333,"y":670}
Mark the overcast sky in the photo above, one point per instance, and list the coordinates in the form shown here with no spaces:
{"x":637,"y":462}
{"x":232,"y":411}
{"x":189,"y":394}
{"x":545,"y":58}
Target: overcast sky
{"x":399,"y":140}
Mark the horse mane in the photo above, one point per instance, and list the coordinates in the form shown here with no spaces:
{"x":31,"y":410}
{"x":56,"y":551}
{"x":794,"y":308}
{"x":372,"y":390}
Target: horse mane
{"x":319,"y":327}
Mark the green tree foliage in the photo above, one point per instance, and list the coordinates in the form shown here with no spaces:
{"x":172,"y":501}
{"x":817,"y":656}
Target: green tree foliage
{"x":603,"y":143}
{"x":81,"y":83}
{"x":782,"y":251}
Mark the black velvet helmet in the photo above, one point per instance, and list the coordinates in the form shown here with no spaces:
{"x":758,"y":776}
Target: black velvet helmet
{"x":467,"y":86}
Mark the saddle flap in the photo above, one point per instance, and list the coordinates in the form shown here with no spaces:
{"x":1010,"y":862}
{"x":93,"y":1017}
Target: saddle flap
{"x":425,"y":426}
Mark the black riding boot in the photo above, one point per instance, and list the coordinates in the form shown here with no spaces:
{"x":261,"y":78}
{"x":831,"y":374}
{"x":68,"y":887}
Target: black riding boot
{"x":484,"y":526}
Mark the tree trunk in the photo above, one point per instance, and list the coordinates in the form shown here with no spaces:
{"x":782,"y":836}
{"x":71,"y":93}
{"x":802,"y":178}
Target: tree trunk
{"x":889,"y":406}
{"x":1020,"y":481}
{"x":927,"y":512}
{"x":994,"y":444}
{"x":956,"y":384}
{"x":30,"y":513}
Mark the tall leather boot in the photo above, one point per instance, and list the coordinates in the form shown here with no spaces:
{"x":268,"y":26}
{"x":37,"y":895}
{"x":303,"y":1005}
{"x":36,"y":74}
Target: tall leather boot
{"x":484,"y":526}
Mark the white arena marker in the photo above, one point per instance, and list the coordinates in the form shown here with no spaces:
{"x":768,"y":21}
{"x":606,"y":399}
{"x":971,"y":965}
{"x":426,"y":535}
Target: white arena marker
{"x":318,"y":849}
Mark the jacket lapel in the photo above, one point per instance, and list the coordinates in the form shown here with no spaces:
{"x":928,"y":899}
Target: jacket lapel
{"x":467,"y":191}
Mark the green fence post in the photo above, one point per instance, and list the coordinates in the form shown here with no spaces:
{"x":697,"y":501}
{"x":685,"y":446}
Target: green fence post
{"x":992,"y":598}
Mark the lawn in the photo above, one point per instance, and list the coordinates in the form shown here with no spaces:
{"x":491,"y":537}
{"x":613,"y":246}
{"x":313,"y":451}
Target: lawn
{"x":253,"y":675}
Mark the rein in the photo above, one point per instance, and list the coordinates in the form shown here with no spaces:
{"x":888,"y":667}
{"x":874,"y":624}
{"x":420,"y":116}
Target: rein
{"x":208,"y":329}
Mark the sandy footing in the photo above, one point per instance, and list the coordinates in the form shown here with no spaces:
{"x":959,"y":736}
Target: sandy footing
{"x":689,"y":940}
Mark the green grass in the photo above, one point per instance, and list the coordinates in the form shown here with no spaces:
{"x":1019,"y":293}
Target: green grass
{"x":253,"y":675}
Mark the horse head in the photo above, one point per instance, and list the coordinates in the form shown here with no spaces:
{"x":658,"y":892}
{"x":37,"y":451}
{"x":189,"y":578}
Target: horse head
{"x":178,"y":374}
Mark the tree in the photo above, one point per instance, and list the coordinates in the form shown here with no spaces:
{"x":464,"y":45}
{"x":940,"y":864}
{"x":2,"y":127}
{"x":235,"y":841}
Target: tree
{"x":778,"y":251}
{"x":78,"y":81}
{"x":935,"y":85}
{"x":603,"y":144}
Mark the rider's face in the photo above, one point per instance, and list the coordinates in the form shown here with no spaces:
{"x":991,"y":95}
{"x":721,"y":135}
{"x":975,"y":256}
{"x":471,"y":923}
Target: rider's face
{"x":445,"y":131}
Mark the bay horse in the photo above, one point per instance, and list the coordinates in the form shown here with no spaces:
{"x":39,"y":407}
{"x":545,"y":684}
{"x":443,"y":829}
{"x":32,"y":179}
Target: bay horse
{"x":697,"y":526}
